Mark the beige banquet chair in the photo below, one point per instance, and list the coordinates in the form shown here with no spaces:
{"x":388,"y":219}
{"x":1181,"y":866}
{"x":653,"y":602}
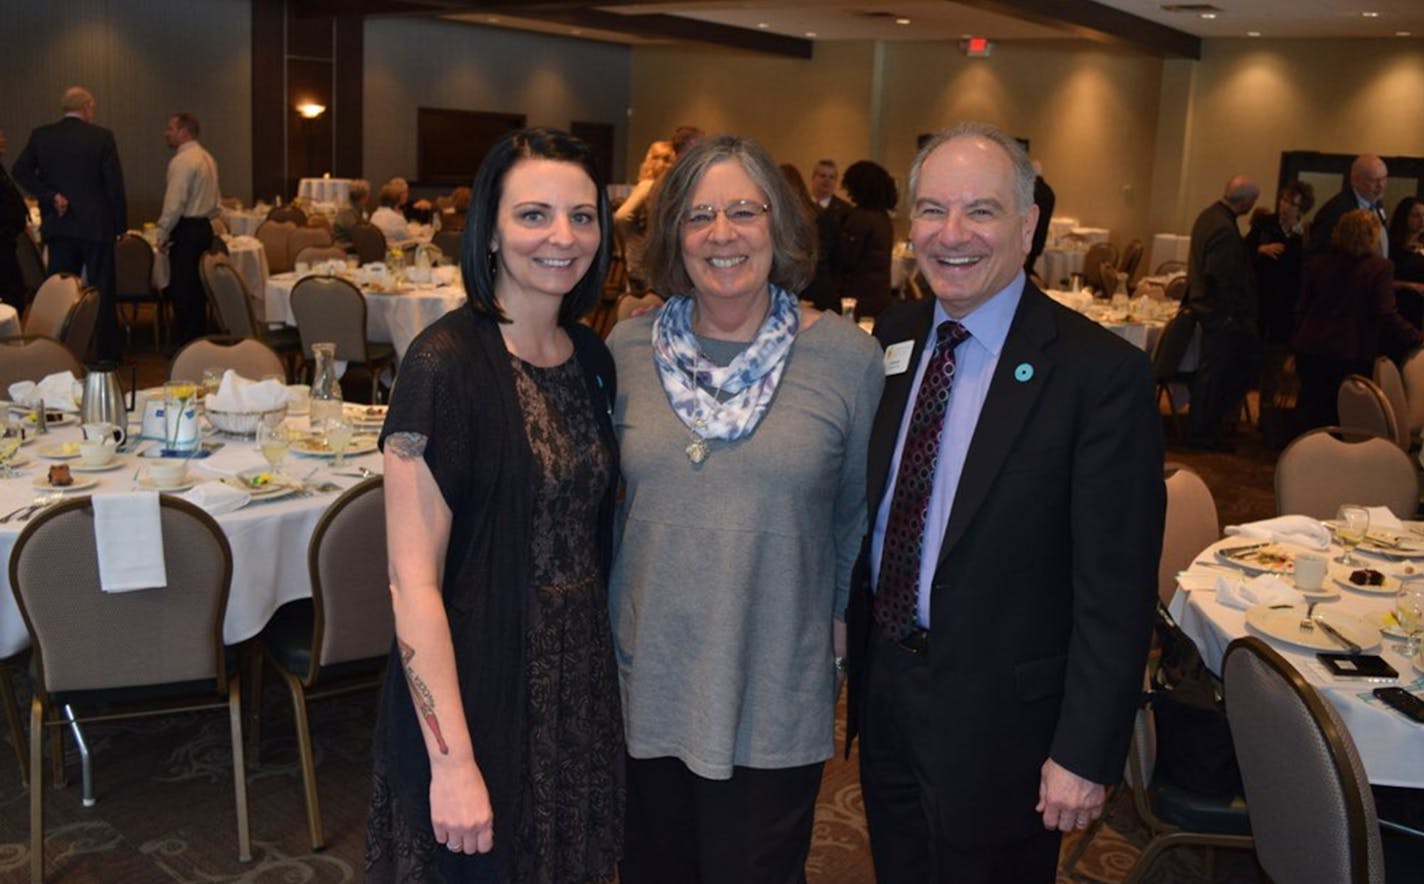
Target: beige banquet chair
{"x":1312,"y":813}
{"x":307,"y":237}
{"x":1191,"y":526}
{"x":124,"y":654}
{"x":79,"y":334}
{"x":328,"y":308}
{"x":368,"y":242}
{"x":1412,"y":374}
{"x":314,"y":254}
{"x":449,"y":242}
{"x":32,"y":359}
{"x":339,"y":640}
{"x":32,"y":268}
{"x":53,"y":305}
{"x":1324,"y":468}
{"x":1391,"y":385}
{"x":288,"y":213}
{"x":275,"y":237}
{"x":1362,"y":405}
{"x":1098,"y":254}
{"x":235,"y":310}
{"x":133,"y":274}
{"x":249,"y":357}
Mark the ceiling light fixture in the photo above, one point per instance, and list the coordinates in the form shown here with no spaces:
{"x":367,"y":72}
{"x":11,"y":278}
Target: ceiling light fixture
{"x":902,"y":20}
{"x":811,"y":34}
{"x":1253,"y":33}
{"x":1370,"y":14}
{"x":1403,"y":34}
{"x":311,"y":110}
{"x":763,"y":25}
{"x":1208,"y":15}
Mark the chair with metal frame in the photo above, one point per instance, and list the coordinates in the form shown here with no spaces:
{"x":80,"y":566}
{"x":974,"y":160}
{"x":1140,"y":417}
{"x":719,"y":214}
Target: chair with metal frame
{"x":339,"y":640}
{"x":79,"y":333}
{"x":328,"y":308}
{"x":249,"y":357}
{"x":124,"y":654}
{"x":235,"y":314}
{"x":32,"y":268}
{"x":1192,"y":524}
{"x":33,"y":358}
{"x":1329,"y":466}
{"x":1362,"y":405}
{"x":133,"y":274}
{"x":368,"y":242}
{"x":54,"y":304}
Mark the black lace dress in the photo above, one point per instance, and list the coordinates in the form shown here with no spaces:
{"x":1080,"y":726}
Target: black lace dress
{"x":556,"y":782}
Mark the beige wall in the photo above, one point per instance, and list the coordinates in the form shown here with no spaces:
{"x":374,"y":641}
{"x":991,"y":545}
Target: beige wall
{"x":1253,"y":99}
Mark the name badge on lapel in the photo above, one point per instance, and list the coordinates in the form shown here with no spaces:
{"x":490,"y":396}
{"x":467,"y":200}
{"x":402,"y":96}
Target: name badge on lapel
{"x":897,"y":357}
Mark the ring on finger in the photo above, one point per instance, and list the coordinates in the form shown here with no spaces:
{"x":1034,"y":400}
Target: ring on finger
{"x":454,"y":847}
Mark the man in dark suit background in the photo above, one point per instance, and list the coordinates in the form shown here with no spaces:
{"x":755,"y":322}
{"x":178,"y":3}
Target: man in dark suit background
{"x":72,"y":168}
{"x":1368,"y":177}
{"x":999,"y":618}
{"x":13,"y":215}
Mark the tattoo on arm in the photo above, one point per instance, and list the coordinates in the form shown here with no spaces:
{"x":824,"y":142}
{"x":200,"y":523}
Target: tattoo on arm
{"x":424,"y":702}
{"x":407,"y":446}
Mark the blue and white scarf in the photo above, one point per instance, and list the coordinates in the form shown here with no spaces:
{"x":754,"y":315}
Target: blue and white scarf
{"x":749,"y":382}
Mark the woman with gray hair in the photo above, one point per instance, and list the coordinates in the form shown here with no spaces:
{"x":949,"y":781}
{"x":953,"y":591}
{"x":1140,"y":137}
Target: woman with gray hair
{"x":743,"y":420}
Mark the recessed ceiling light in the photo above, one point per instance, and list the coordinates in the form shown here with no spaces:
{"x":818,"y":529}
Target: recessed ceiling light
{"x":763,"y":25}
{"x":493,"y":19}
{"x":811,"y":34}
{"x":1208,"y":15}
{"x":1403,"y":34}
{"x":1370,"y":14}
{"x":1253,"y":33}
{"x":902,"y":20}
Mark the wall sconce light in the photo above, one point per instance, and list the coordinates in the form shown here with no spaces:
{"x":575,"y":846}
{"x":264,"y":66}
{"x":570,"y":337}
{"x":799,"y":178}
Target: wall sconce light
{"x":311,"y":110}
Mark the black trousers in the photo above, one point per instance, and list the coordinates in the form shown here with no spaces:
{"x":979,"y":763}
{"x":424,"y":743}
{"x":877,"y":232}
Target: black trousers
{"x":752,"y":829}
{"x":12,"y":282}
{"x":908,"y":844}
{"x":94,"y":260}
{"x":1230,"y":361}
{"x":190,"y":238}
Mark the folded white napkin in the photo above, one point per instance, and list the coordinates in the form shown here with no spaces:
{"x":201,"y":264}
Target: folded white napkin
{"x":1197,"y":581}
{"x":1300,"y":530}
{"x":57,"y":390}
{"x":1384,"y":518}
{"x":230,"y":460}
{"x":446,"y":275}
{"x":237,"y":393}
{"x":1264,"y":589}
{"x":244,"y":241}
{"x":216,"y":498}
{"x":129,"y":537}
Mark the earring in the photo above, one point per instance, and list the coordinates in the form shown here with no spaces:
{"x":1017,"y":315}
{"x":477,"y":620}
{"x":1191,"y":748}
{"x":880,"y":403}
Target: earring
{"x":493,"y":263}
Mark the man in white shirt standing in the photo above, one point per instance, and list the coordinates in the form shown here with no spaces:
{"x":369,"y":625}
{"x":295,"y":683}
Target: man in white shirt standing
{"x":185,"y":228}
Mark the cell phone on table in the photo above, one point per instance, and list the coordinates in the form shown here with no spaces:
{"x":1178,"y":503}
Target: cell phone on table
{"x":1357,"y":665}
{"x":1403,"y":701}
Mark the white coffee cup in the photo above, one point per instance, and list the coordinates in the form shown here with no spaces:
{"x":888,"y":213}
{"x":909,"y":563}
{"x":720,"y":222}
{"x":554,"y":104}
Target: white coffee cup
{"x":168,"y":472}
{"x":97,"y":452}
{"x":298,"y":398}
{"x":1310,"y":570}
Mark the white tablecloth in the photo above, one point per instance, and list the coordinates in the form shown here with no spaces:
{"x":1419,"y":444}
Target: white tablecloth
{"x":9,"y":321}
{"x":269,"y":540}
{"x":1055,"y":265}
{"x":1391,"y":747}
{"x":396,"y":318}
{"x":249,"y":259}
{"x":243,"y":222}
{"x":1167,"y":247}
{"x":325,"y":190}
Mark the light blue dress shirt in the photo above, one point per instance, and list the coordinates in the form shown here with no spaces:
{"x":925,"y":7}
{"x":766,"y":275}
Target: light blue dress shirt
{"x":975,"y":360}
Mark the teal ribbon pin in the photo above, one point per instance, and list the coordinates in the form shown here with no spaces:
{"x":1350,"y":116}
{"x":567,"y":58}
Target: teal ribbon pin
{"x":1023,"y":372}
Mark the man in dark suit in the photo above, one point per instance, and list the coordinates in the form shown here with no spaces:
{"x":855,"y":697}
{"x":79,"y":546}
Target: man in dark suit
{"x":824,"y":178}
{"x":1000,"y":610}
{"x":1368,"y":177}
{"x":1044,"y":198}
{"x":1221,"y":294}
{"x":72,"y":168}
{"x":13,"y":215}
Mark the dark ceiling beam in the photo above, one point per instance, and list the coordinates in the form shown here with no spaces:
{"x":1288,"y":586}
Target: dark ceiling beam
{"x":1099,"y":23}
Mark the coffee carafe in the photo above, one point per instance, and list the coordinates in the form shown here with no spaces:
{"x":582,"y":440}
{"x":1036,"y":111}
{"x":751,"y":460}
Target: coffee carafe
{"x":103,"y":399}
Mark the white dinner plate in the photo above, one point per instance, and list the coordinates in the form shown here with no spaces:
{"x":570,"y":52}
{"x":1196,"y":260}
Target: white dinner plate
{"x":80,"y":483}
{"x":1340,"y":576}
{"x":18,"y":460}
{"x":109,"y":467}
{"x":147,"y":484}
{"x":58,"y":450}
{"x":269,"y":491}
{"x":1258,"y":558}
{"x":1283,"y":624}
{"x":315,"y":446}
{"x":364,"y":415}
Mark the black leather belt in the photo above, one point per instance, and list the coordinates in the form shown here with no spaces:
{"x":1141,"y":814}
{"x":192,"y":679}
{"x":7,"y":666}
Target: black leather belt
{"x":917,"y":642}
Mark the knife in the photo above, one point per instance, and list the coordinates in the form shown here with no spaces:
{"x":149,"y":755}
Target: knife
{"x":1335,"y":634}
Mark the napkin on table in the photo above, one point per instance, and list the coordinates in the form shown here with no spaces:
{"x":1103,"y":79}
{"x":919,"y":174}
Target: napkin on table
{"x":129,"y":538}
{"x":237,"y":393}
{"x":1384,"y":518}
{"x":1264,"y":589}
{"x":57,"y":390}
{"x":216,"y":498}
{"x":1300,"y":530}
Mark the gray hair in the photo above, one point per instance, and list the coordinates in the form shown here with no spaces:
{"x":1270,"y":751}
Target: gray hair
{"x":1018,"y":157}
{"x":76,"y":98}
{"x":793,"y":234}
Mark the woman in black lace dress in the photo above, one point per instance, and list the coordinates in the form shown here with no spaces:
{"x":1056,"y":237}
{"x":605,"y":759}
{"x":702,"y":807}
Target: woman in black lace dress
{"x":499,"y":746}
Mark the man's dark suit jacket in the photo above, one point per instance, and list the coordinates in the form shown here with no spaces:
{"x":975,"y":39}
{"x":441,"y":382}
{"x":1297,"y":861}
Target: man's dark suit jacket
{"x":1044,"y":593}
{"x":1327,"y":216}
{"x":79,"y":160}
{"x":1220,"y":282}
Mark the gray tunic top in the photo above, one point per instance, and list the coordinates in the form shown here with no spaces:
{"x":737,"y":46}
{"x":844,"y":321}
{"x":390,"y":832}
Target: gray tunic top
{"x":728,"y":573}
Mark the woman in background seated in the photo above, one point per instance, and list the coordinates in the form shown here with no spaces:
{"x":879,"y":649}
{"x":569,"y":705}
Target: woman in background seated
{"x":453,"y":218}
{"x":387,"y":216}
{"x":351,"y":214}
{"x":867,"y":240}
{"x":1348,"y":316}
{"x":631,"y":219}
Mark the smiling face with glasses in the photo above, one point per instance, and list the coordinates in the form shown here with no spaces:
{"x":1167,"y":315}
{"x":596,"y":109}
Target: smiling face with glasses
{"x":726,"y":235}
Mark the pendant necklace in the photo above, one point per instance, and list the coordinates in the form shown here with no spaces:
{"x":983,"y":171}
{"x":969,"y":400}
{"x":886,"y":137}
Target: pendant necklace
{"x":698,"y":449}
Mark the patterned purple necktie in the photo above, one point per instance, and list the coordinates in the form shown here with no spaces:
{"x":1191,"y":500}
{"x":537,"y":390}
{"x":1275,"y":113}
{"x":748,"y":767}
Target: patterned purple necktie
{"x":896,"y":593}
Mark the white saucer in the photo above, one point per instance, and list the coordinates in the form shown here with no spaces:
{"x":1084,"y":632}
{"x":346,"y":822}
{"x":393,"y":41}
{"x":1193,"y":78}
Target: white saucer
{"x":109,"y":467}
{"x":148,"y":484}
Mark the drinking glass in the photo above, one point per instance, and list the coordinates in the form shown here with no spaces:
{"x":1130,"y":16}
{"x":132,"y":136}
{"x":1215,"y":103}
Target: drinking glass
{"x":1409,"y":611}
{"x":178,"y":396}
{"x":11,"y":440}
{"x":1354,"y":523}
{"x":338,"y":439}
{"x":274,"y":440}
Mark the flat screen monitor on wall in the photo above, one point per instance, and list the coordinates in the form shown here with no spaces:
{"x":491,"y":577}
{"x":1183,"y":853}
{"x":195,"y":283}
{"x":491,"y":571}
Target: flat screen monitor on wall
{"x":451,"y":143}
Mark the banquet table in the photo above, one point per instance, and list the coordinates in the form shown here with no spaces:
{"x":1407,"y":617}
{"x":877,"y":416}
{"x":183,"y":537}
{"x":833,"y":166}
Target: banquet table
{"x":9,"y":321}
{"x":1168,"y":247}
{"x":243,"y":222}
{"x":396,"y":317}
{"x":1056,"y":265}
{"x":325,"y":190}
{"x":1390,"y":745}
{"x":268,"y":539}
